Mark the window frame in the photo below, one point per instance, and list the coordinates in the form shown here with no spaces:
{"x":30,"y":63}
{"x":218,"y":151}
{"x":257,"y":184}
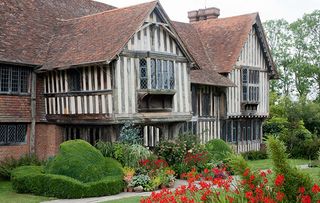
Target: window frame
{"x":20,"y":81}
{"x":160,"y":72}
{"x":250,"y":85}
{"x":4,"y":136}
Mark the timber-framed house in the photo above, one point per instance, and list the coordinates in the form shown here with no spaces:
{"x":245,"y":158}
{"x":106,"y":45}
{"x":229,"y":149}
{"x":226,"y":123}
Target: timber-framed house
{"x":79,"y":69}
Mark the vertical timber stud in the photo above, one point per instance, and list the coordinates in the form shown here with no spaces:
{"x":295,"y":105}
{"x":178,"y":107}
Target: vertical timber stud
{"x":33,"y":112}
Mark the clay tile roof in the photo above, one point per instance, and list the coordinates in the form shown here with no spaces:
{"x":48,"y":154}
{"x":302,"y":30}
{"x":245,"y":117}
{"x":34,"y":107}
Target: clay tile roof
{"x":206,"y":75}
{"x":95,"y":38}
{"x":27,"y":25}
{"x":217,"y":43}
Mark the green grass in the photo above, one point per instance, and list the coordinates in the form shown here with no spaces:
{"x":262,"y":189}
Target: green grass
{"x":125,"y":200}
{"x":314,"y":173}
{"x":267,"y":163}
{"x":8,"y":195}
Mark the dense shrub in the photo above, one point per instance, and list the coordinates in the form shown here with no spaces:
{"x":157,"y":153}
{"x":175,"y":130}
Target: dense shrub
{"x":8,"y":164}
{"x":174,"y":151}
{"x":294,"y":179}
{"x":79,"y":160}
{"x":127,"y":154}
{"x":32,"y":179}
{"x":130,"y":134}
{"x":218,"y":149}
{"x":255,"y":155}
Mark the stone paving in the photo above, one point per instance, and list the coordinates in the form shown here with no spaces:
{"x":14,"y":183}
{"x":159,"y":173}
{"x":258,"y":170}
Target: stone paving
{"x":112,"y":197}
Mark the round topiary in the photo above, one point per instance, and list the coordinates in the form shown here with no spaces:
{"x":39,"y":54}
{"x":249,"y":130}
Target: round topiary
{"x":218,"y":149}
{"x":79,"y":160}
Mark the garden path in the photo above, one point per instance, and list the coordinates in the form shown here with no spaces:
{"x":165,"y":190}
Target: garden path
{"x":112,"y":197}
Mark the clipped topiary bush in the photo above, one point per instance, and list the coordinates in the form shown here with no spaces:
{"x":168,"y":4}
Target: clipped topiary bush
{"x":218,"y":149}
{"x":32,"y":179}
{"x":79,"y":170}
{"x":79,"y":160}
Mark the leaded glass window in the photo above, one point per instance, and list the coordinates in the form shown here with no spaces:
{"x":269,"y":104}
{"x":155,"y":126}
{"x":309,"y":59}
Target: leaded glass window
{"x":143,"y":74}
{"x":14,"y":79}
{"x":12,"y":133}
{"x":250,"y":85}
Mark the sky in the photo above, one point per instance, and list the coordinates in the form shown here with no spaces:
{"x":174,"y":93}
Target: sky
{"x":289,"y":10}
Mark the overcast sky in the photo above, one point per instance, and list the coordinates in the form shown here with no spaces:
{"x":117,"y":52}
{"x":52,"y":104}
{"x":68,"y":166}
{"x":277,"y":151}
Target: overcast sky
{"x":268,"y":9}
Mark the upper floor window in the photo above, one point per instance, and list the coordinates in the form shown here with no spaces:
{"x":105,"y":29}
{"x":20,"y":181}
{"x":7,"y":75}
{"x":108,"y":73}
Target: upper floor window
{"x":250,"y":85}
{"x":161,"y":74}
{"x":74,"y":80}
{"x":12,"y":134}
{"x":14,"y":79}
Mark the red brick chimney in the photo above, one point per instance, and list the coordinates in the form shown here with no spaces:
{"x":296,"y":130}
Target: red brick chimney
{"x":203,"y":14}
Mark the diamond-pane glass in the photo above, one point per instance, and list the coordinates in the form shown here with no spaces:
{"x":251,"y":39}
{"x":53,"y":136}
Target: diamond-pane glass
{"x":21,"y":133}
{"x":3,"y":133}
{"x":143,"y":74}
{"x":171,"y":74}
{"x":11,"y":133}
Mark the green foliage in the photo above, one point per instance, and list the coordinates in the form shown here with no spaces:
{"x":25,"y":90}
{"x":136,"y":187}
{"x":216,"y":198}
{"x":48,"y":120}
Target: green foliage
{"x":218,"y":149}
{"x":113,"y":167}
{"x":127,"y":155}
{"x":9,"y":164}
{"x":140,"y":180}
{"x":276,"y":126}
{"x":32,"y":179}
{"x":293,"y":177}
{"x":238,"y":164}
{"x":130,"y":134}
{"x":79,"y":160}
{"x":107,"y":149}
{"x":255,"y":155}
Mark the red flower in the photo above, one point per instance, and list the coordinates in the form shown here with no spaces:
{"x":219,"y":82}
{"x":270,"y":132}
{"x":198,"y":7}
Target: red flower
{"x":315,"y":189}
{"x":279,"y":180}
{"x":302,"y":190}
{"x":305,"y":199}
{"x":252,"y":177}
{"x":246,"y":172}
{"x":249,"y":194}
{"x":206,"y":171}
{"x":280,"y":196}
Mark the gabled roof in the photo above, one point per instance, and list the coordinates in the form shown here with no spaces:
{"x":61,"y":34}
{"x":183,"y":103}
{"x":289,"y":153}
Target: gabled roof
{"x":95,"y":38}
{"x":207,"y":75}
{"x":28,"y":25}
{"x":217,"y":43}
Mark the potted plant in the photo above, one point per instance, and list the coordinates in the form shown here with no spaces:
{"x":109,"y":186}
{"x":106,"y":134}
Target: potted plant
{"x":128,"y":175}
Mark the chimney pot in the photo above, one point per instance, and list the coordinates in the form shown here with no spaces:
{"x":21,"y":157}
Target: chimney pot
{"x":203,"y":14}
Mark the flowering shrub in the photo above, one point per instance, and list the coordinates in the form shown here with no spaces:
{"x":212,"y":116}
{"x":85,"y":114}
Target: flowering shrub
{"x":255,"y":188}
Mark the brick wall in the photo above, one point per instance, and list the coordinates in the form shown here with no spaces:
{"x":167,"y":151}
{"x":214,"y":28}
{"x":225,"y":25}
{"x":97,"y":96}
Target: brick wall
{"x":48,"y":139}
{"x":15,"y":108}
{"x":15,"y":151}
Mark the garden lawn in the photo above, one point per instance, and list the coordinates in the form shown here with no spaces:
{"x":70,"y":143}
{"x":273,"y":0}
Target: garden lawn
{"x":314,"y":173}
{"x":267,"y":163}
{"x":8,"y":195}
{"x":125,"y":200}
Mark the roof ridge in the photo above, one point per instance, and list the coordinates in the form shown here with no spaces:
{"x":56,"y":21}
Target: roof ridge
{"x":224,"y":18}
{"x":108,"y":11}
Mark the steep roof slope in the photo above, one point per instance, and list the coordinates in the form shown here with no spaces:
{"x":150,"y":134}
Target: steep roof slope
{"x":218,"y":42}
{"x":206,"y":75}
{"x":26,"y":26}
{"x":95,"y":38}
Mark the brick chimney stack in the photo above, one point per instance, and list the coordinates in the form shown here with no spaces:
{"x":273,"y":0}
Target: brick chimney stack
{"x":203,"y":14}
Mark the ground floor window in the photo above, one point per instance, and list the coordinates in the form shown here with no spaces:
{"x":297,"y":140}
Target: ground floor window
{"x":189,"y":127}
{"x":91,"y":134}
{"x":239,"y":130}
{"x":11,"y":133}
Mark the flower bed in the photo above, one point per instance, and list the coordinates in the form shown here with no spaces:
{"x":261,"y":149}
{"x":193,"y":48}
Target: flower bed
{"x":253,"y":188}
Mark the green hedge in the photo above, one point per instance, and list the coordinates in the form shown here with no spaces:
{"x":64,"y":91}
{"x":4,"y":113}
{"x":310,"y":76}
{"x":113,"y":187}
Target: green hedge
{"x":79,"y":160}
{"x":218,"y":149}
{"x":32,"y":179}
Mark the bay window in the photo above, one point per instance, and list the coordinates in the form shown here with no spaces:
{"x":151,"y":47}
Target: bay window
{"x":161,"y":74}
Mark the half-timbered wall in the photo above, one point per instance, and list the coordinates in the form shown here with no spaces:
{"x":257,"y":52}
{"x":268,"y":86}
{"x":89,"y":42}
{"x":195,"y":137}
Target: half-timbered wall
{"x":252,"y":58}
{"x":86,"y":90}
{"x":153,"y":40}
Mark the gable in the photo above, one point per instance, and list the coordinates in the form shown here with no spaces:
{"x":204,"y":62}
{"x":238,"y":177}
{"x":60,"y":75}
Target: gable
{"x":252,"y":53}
{"x":155,"y":35}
